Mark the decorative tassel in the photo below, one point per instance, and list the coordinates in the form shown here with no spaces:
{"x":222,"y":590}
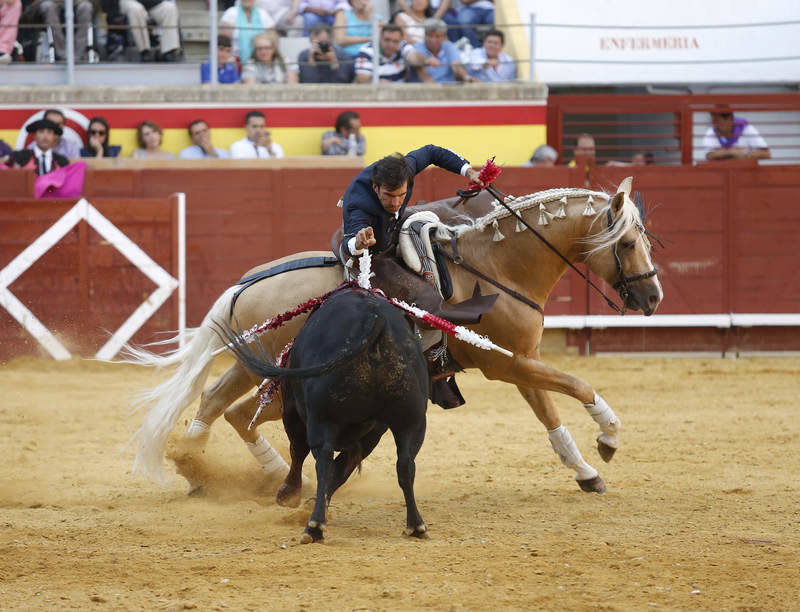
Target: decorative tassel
{"x":520,"y":227}
{"x":589,"y":211}
{"x":340,"y":203}
{"x":562,"y":208}
{"x":498,"y":236}
{"x":543,"y":214}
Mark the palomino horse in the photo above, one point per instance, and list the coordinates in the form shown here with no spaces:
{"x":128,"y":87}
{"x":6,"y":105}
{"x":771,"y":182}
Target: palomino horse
{"x":603,"y":231}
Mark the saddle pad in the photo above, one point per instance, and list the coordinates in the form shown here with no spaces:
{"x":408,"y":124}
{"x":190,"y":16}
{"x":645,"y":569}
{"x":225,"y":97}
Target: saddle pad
{"x":288,"y":266}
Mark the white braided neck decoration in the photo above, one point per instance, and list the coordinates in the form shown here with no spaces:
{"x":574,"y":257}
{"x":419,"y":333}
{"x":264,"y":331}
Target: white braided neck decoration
{"x":523,"y":203}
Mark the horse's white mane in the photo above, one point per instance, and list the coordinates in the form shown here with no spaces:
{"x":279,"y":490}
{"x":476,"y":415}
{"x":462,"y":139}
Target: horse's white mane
{"x":629,"y":215}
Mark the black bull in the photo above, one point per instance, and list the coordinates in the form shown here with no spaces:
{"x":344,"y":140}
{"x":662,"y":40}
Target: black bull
{"x":355,"y":370}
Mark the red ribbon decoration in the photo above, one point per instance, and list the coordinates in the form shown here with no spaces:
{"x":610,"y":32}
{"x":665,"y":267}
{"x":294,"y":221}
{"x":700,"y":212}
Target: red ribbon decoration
{"x":488,"y":174}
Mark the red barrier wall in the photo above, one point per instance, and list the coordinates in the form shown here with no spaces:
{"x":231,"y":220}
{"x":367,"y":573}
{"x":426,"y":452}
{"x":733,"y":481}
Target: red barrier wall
{"x":729,"y":235}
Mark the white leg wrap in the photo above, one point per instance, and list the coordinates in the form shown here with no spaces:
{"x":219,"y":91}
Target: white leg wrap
{"x":197,"y":429}
{"x":566,"y":449}
{"x":268,"y":457}
{"x":609,"y":423}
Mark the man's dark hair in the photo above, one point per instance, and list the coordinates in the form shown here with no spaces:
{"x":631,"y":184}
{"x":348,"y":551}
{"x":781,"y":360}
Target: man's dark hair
{"x":498,"y":33}
{"x":223,"y":40}
{"x":344,"y":119}
{"x":391,"y":172}
{"x":253,"y":113}
{"x":54,"y":111}
{"x":194,"y":123}
{"x":319,"y":27}
{"x":391,"y":27}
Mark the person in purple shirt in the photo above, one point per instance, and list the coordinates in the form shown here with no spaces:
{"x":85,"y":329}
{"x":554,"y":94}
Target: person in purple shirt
{"x":442,"y":60}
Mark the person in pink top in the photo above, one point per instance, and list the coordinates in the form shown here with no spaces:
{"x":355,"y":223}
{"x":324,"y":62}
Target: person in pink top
{"x":10,"y":10}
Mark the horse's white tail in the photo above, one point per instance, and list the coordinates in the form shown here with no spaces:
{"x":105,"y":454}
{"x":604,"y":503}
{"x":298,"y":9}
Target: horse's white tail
{"x":169,"y":399}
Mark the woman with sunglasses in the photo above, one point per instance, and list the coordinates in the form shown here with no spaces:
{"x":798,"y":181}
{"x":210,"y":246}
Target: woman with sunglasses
{"x":266,"y":65}
{"x":97,"y":137}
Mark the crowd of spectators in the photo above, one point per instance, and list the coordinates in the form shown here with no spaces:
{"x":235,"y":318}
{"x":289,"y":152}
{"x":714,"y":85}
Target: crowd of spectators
{"x":338,"y":33}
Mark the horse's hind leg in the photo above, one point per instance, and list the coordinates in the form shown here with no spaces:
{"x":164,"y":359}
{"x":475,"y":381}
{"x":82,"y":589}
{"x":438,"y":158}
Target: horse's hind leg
{"x":561,"y":440}
{"x":409,"y":441}
{"x":215,"y":399}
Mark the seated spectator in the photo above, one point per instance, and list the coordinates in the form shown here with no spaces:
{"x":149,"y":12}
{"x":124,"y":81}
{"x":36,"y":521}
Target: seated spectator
{"x":201,"y":139}
{"x":474,"y":13}
{"x":324,"y":62}
{"x":148,"y":137}
{"x":544,"y":155}
{"x":226,"y":68}
{"x":442,"y":62}
{"x":5,"y":152}
{"x":584,"y":147}
{"x":346,"y":138}
{"x":353,"y":27}
{"x":266,"y":64}
{"x":258,"y":142}
{"x":97,"y":137}
{"x":165,"y":14}
{"x":489,"y":63}
{"x":317,"y":11}
{"x":64,"y":146}
{"x":281,"y":11}
{"x":10,"y":10}
{"x":642,"y":158}
{"x":732,"y":138}
{"x":41,"y":157}
{"x":412,"y":20}
{"x":395,"y":54}
{"x":50,"y":13}
{"x":438,"y":9}
{"x":242,"y":23}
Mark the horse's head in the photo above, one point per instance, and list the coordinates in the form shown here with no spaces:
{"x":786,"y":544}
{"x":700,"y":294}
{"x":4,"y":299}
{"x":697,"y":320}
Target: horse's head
{"x":620,"y":253}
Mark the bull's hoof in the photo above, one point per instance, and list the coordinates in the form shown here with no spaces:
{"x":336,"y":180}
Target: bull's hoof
{"x":288,"y":496}
{"x":313,"y":533}
{"x":195,"y":490}
{"x":605,"y":451}
{"x":420,"y":532}
{"x":592,"y":485}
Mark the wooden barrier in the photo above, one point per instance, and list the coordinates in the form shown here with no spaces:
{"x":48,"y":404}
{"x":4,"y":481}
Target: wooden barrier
{"x":729,"y":235}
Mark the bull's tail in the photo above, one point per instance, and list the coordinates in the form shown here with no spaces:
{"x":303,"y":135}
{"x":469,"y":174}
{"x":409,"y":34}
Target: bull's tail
{"x":352,"y":348}
{"x":169,"y":399}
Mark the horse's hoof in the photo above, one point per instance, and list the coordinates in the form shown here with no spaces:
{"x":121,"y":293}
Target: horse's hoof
{"x":605,"y":451}
{"x":312,"y":534}
{"x":420,"y":532}
{"x":195,"y":490}
{"x":288,"y":497}
{"x":592,"y":485}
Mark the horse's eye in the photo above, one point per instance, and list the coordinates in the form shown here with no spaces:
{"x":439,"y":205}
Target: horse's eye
{"x":628,"y":244}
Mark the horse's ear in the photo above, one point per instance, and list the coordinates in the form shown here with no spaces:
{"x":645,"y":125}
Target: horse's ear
{"x":617,"y":202}
{"x":625,"y":186}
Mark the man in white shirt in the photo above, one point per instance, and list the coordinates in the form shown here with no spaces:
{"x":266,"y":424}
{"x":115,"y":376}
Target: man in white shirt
{"x":258,"y":142}
{"x":202,"y":147}
{"x":733,"y":138}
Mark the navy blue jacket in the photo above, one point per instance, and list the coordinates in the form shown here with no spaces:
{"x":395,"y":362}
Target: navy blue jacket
{"x":362,"y":208}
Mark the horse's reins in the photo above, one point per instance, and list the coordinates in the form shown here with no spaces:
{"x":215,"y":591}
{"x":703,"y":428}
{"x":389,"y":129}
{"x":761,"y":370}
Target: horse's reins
{"x":622,"y":282}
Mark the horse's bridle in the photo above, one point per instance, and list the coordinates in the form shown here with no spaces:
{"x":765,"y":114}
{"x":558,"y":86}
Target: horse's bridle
{"x":621,"y":286}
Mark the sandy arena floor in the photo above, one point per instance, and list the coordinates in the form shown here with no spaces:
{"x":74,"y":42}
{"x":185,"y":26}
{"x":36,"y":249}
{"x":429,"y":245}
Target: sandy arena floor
{"x":701,"y":511}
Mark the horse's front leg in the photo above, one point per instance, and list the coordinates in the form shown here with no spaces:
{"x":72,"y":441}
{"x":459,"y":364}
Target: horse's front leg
{"x":561,"y":440}
{"x":533,"y":378}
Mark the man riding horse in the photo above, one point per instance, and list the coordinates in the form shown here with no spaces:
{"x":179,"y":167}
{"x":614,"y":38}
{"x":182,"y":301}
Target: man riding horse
{"x":373,"y":208}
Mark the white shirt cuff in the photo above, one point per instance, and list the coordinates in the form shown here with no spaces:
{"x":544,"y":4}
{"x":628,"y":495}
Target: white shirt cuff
{"x":464,"y":168}
{"x":351,"y":247}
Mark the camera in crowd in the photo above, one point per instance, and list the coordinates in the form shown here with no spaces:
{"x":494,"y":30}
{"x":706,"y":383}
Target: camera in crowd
{"x":324,"y":46}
